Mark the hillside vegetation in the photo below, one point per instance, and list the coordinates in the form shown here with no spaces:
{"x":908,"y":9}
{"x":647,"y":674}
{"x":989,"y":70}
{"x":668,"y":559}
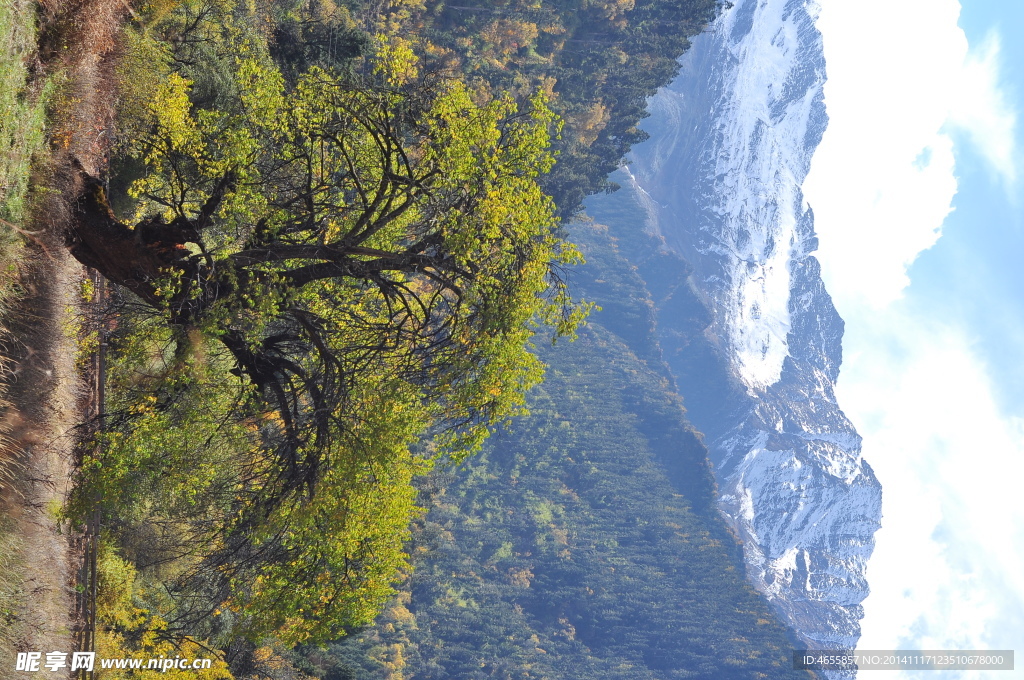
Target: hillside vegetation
{"x":582,"y":543}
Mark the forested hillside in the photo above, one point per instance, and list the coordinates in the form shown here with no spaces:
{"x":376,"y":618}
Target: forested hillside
{"x":600,"y":60}
{"x":584,"y":542}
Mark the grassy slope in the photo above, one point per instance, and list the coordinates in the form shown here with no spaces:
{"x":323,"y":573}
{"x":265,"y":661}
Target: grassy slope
{"x":21,"y":113}
{"x":21,"y":135}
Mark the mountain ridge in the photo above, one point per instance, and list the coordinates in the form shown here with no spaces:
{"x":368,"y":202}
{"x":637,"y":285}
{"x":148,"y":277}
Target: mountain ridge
{"x":748,"y":328}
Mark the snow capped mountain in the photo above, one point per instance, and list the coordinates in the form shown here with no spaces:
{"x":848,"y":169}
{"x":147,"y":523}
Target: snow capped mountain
{"x":732,"y":140}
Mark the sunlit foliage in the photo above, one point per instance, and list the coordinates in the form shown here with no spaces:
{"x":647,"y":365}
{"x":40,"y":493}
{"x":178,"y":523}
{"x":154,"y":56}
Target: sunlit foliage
{"x":333,"y":283}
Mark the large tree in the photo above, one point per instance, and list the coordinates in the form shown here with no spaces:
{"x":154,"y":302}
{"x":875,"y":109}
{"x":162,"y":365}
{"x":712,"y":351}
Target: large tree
{"x":331,"y":272}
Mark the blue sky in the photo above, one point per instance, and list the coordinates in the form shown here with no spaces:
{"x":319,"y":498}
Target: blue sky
{"x":978,"y":264}
{"x":916,"y":189}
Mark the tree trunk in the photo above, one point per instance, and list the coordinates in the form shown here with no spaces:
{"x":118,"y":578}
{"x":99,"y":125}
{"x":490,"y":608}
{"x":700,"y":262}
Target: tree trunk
{"x":134,"y":258}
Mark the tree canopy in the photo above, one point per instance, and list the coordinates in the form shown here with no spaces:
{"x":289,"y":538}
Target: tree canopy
{"x":328,"y":227}
{"x":322,"y":271}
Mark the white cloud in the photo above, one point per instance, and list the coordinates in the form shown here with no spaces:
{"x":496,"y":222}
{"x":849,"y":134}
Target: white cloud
{"x":882,"y":182}
{"x":981,"y":109}
{"x":903,"y":83}
{"x":946,"y":572}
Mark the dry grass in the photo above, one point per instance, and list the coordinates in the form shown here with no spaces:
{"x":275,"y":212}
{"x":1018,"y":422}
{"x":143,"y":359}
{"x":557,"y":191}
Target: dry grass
{"x":81,"y":38}
{"x":12,"y":598}
{"x":37,"y":566}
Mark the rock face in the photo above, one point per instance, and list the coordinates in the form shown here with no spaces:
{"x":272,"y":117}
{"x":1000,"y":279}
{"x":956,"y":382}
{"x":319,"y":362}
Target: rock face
{"x":731,"y":142}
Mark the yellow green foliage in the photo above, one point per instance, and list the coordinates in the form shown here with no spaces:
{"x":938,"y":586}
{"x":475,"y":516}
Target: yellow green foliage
{"x":141,"y":70}
{"x":366,"y":264}
{"x":395,"y":60}
{"x":128,"y":631}
{"x":192,"y":446}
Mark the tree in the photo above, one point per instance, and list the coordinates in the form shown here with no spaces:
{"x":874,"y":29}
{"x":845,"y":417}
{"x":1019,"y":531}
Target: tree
{"x":371,"y":263}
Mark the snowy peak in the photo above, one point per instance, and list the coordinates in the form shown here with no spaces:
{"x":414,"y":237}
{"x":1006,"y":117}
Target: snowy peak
{"x":731,"y":142}
{"x":767,"y":109}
